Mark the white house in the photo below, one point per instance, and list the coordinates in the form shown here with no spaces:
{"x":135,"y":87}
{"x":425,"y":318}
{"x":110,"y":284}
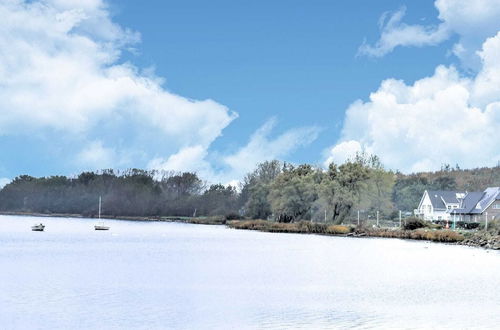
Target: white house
{"x":437,"y":204}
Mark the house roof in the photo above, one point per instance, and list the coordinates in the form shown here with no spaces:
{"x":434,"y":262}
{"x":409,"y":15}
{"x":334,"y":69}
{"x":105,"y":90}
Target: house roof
{"x":469,"y":202}
{"x":490,"y":194}
{"x":477,"y":202}
{"x":440,"y":197}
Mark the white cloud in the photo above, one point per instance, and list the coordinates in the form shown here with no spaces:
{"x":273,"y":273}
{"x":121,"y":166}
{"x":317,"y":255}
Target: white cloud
{"x":95,"y":155}
{"x":396,"y":33}
{"x":445,"y":118}
{"x":472,"y":20}
{"x":190,"y":158}
{"x":341,"y":152}
{"x":261,"y":147}
{"x":233,"y":167}
{"x":4,"y":182}
{"x":60,"y":71}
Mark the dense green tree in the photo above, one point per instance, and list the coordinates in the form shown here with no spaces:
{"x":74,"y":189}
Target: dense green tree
{"x":256,"y":187}
{"x":294,"y":192}
{"x":342,"y":189}
{"x":444,"y":183}
{"x":376,"y":194}
{"x":408,"y":191}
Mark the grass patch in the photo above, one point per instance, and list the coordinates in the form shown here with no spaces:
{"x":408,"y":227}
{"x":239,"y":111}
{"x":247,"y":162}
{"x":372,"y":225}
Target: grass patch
{"x":306,"y":227}
{"x":338,"y":230}
{"x":448,"y":236}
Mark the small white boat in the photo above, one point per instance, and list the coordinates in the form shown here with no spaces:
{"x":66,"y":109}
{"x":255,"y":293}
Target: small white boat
{"x":39,"y":227}
{"x":101,"y":225}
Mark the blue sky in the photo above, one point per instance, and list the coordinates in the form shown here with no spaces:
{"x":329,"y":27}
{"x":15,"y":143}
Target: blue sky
{"x":218,"y":86}
{"x":293,"y":60}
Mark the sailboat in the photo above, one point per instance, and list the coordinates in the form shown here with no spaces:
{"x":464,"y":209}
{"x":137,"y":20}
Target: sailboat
{"x":39,"y":227}
{"x":101,"y":225}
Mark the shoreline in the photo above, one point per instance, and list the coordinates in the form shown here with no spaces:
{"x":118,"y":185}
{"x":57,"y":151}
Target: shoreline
{"x":197,"y":220}
{"x":479,"y":239}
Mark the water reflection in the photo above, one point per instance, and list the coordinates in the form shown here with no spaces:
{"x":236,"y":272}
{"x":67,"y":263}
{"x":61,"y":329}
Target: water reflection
{"x":162,"y":275}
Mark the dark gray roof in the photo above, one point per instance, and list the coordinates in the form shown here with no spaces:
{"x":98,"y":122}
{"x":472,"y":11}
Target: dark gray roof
{"x":437,"y":197}
{"x":490,"y":194}
{"x":469,"y":202}
{"x":477,"y":202}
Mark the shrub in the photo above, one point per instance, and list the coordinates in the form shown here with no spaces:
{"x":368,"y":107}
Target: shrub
{"x":338,"y":230}
{"x":413,"y":223}
{"x":233,"y":216}
{"x":493,"y":226}
{"x":311,"y":227}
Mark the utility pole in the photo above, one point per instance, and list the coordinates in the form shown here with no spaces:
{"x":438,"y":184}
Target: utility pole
{"x":377,"y":218}
{"x":400,"y":219}
{"x":486,"y":223}
{"x":358,"y":217}
{"x":325,"y":215}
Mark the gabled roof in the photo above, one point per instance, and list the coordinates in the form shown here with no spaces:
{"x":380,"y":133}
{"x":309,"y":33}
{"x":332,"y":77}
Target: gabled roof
{"x":490,"y":195}
{"x":440,"y":197}
{"x":468,"y":203}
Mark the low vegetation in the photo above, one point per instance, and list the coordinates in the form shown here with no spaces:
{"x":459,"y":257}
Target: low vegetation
{"x":448,"y":236}
{"x":304,"y":227}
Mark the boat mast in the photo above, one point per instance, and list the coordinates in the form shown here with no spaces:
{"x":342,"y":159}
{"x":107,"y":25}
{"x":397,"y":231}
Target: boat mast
{"x":99,"y":207}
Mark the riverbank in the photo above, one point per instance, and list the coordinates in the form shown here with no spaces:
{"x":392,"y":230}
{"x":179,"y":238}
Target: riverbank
{"x":213,"y":220}
{"x":468,"y":238}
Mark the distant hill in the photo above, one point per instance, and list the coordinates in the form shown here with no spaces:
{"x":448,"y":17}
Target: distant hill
{"x":409,"y":187}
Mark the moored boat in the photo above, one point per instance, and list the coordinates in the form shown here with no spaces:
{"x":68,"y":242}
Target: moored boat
{"x":101,"y":225}
{"x":39,"y":227}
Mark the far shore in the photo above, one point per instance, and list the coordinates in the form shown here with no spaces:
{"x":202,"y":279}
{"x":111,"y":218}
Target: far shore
{"x":464,"y":237}
{"x":213,"y":220}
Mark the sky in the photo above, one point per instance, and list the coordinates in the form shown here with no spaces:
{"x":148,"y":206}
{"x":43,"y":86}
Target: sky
{"x":218,"y":86}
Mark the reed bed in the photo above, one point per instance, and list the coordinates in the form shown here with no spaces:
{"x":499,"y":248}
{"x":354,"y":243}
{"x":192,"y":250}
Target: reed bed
{"x":306,"y":227}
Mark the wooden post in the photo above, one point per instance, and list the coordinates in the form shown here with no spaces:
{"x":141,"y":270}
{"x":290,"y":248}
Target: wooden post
{"x":358,"y":217}
{"x":377,"y":218}
{"x":400,"y":219}
{"x":486,"y":223}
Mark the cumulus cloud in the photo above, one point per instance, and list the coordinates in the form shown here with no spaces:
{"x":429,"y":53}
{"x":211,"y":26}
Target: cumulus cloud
{"x":232,"y":167}
{"x":191,"y":158}
{"x":472,"y":20}
{"x":96,"y":155}
{"x":445,"y":118}
{"x":342,"y":152}
{"x":4,"y":182}
{"x":60,"y":71}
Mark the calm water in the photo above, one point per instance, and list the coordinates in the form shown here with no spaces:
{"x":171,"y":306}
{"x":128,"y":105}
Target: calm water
{"x":164,"y":275}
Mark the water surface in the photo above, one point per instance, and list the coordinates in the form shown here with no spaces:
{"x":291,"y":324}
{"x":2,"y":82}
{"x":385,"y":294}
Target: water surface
{"x":142,"y":275}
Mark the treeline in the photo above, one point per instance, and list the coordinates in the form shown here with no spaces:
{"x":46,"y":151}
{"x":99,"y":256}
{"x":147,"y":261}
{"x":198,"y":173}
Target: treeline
{"x":131,"y":193}
{"x":274,"y":190}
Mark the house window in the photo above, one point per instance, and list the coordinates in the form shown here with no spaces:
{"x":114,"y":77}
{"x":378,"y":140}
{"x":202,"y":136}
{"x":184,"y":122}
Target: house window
{"x":449,"y":207}
{"x":496,"y":206}
{"x":440,"y":218}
